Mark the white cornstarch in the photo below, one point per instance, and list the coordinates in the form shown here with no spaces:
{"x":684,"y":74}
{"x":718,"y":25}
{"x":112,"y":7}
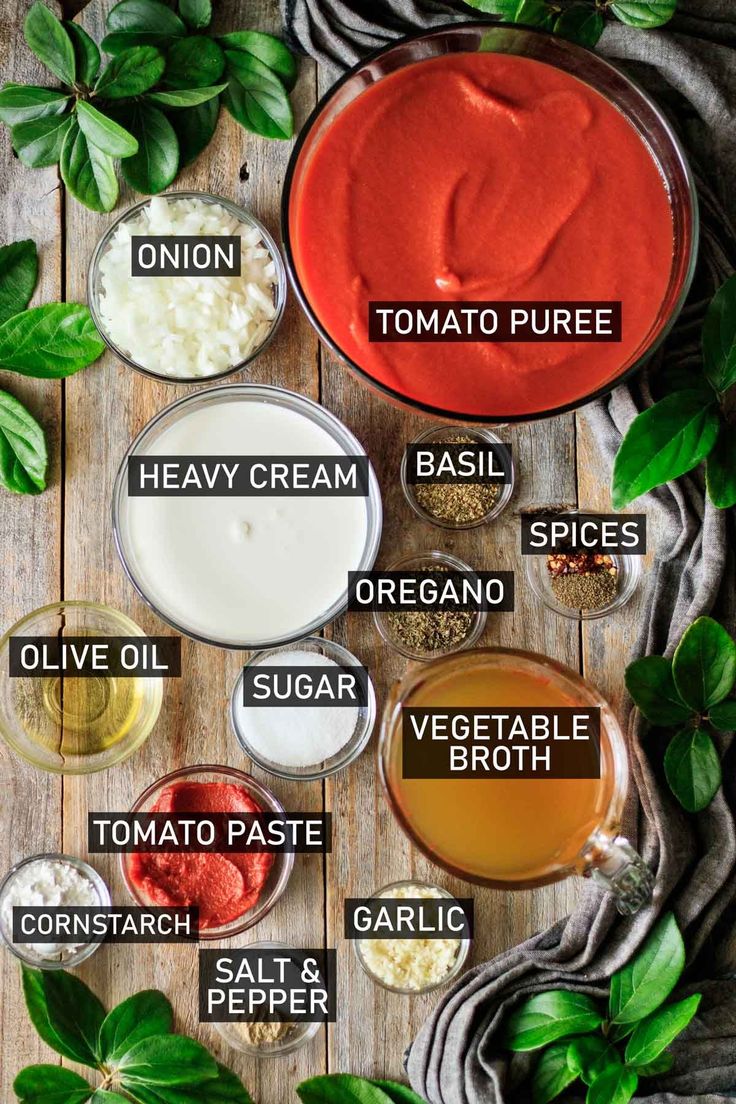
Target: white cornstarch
{"x":190,"y":326}
{"x":46,"y":882}
{"x":410,"y":963}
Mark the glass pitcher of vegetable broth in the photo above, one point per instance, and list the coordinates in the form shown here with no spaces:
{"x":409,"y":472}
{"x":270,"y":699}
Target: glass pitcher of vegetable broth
{"x":542,"y":796}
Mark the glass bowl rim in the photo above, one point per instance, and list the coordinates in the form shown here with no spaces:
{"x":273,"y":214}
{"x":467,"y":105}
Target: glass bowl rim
{"x":456,"y":564}
{"x":465,"y":943}
{"x":427,"y":409}
{"x":340,"y":433}
{"x":498,"y":507}
{"x":269,"y":801}
{"x":101,"y":887}
{"x":610,"y":818}
{"x":347,"y":754}
{"x":243,"y":215}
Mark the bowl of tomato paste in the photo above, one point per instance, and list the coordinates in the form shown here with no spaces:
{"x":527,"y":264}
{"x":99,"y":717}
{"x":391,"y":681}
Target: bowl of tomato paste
{"x":488,"y":223}
{"x":233,"y":889}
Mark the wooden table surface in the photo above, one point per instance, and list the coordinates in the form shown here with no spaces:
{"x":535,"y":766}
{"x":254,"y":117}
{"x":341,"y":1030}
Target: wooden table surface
{"x":60,"y":545}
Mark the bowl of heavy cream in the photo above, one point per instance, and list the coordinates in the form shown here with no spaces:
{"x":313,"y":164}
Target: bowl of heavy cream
{"x":214,"y":554}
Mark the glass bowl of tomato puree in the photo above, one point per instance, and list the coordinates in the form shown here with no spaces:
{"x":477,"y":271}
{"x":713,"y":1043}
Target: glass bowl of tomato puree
{"x":232,"y":891}
{"x":484,"y":163}
{"x":512,"y":832}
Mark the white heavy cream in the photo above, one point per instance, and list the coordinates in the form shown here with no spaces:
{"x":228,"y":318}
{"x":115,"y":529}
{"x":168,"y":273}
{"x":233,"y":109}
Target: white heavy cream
{"x":244,"y":570}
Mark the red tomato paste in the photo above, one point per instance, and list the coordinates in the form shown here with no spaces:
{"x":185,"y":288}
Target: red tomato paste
{"x":472,"y":177}
{"x":222,"y":886}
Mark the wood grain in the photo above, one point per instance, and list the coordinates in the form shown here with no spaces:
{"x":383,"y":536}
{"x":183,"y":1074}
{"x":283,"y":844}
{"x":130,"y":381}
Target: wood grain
{"x":105,"y":407}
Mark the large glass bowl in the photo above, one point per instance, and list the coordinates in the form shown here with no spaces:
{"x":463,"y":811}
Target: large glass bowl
{"x":283,"y":864}
{"x":643,"y":114}
{"x":278,"y":396}
{"x":72,"y":725}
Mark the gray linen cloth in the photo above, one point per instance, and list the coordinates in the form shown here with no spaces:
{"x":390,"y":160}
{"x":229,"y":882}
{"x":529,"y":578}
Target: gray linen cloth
{"x":457,"y":1057}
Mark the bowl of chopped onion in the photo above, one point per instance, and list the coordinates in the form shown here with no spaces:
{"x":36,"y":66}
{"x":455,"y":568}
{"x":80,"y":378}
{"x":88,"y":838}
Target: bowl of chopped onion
{"x":190,"y":326}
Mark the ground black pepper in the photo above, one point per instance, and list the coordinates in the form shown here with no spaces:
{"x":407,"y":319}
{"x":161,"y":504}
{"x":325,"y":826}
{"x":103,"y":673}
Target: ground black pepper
{"x":583,"y":580}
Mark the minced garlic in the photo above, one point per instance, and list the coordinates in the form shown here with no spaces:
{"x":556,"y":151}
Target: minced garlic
{"x":414,"y":964}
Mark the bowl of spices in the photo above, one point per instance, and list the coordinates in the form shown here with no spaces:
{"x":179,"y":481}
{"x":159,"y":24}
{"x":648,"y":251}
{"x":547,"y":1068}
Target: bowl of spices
{"x":414,"y":965}
{"x":51,"y":881}
{"x":305,"y":741}
{"x":426,"y":634}
{"x":583,"y":585}
{"x":457,"y":505}
{"x":270,"y":1036}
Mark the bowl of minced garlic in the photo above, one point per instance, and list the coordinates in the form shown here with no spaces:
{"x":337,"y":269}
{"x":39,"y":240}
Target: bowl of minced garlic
{"x":414,"y":965}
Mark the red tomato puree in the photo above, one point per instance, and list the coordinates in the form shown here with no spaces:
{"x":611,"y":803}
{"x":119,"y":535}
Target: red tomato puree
{"x":223,"y":886}
{"x":479,"y":177}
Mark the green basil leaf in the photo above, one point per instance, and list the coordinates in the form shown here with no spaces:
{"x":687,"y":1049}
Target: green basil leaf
{"x":156,"y":164}
{"x":131,"y":73}
{"x":692,"y":768}
{"x":719,"y":338}
{"x":196,"y":13}
{"x":226,"y":1088}
{"x":102,"y":131}
{"x":46,"y":36}
{"x":50,"y":342}
{"x":88,"y":173}
{"x":186,"y":97}
{"x":85,"y":52}
{"x":271,"y":51}
{"x":23,"y":453}
{"x":651,"y":685}
{"x":194,"y":127}
{"x":45,"y":1084}
{"x":616,"y":1085}
{"x":660,"y":1065}
{"x":720,"y":469}
{"x":166,"y":1060}
{"x":551,"y":1074}
{"x":533,"y":12}
{"x":65,"y":1013}
{"x":194,"y":62}
{"x":105,"y":1096}
{"x":546,"y":1017}
{"x":644,"y":13}
{"x":580,"y":23}
{"x":662,"y":443}
{"x":39,"y":143}
{"x":140,"y":1016}
{"x":704,"y":664}
{"x":723,"y":716}
{"x":654,"y":1034}
{"x":18,"y":276}
{"x":22,"y":103}
{"x":256,"y":98}
{"x":141,"y":23}
{"x":590,"y":1055}
{"x":650,"y":976}
{"x":340,"y":1088}
{"x":397,"y":1093}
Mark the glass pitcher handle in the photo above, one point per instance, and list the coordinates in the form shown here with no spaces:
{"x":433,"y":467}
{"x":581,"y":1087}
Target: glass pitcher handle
{"x":613,"y":863}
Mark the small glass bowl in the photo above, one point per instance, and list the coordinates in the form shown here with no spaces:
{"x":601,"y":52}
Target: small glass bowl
{"x":423,"y":561}
{"x":94,"y":283}
{"x":37,"y":960}
{"x":462,"y":952}
{"x":283,"y":863}
{"x":298,"y":1037}
{"x":444,"y":433}
{"x":34,"y":713}
{"x":347,"y":754}
{"x":627,"y":580}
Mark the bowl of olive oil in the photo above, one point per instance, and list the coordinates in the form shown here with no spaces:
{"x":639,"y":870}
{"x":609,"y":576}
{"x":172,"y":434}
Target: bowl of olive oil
{"x":75,"y":725}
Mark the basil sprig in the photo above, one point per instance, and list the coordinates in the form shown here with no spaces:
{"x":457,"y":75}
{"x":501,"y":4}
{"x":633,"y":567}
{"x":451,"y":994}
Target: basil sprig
{"x":345,"y":1088}
{"x":611,"y":1050}
{"x":138,"y":1057}
{"x":153,"y":106}
{"x":692,"y":424}
{"x":690,"y":693}
{"x":580,"y":21}
{"x":47,"y":342}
